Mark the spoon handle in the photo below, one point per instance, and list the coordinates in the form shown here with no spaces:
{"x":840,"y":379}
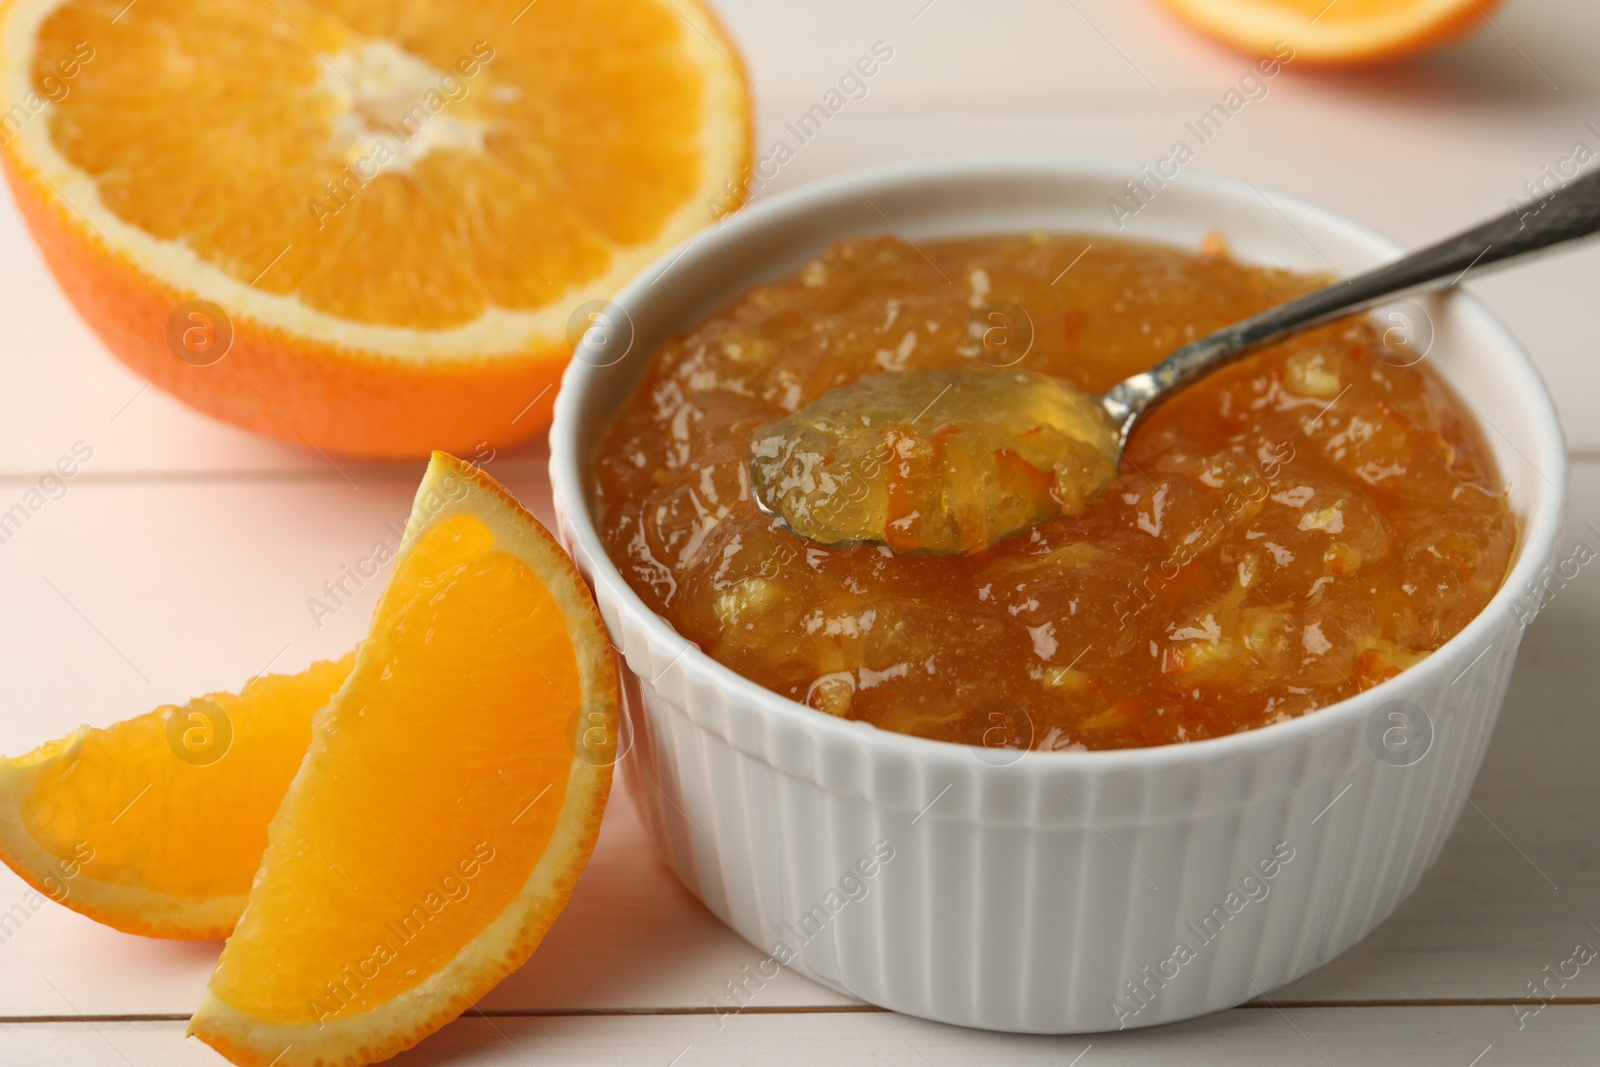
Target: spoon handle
{"x":1571,"y":212}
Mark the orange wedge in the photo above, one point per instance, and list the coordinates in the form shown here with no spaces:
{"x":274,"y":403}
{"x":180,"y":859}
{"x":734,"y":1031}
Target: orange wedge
{"x":156,"y":825}
{"x":449,"y":800}
{"x":1335,"y":32}
{"x":371,"y":226}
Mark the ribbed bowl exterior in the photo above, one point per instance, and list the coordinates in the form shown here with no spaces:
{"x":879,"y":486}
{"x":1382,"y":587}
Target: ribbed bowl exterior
{"x":1027,"y":898}
{"x":1037,"y":891}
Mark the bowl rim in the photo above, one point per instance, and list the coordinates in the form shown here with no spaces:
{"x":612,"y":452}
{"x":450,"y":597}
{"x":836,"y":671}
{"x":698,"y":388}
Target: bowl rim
{"x":1536,"y":540}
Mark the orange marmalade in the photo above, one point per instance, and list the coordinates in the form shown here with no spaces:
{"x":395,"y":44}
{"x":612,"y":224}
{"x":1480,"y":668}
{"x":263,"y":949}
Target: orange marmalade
{"x":1282,"y":534}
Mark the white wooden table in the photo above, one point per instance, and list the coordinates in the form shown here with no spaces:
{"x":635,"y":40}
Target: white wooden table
{"x":181,"y":559}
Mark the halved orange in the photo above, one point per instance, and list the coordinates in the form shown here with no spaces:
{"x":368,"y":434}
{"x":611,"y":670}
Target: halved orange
{"x":156,"y":825}
{"x":450,"y":797}
{"x":363,"y":224}
{"x":1335,"y":32}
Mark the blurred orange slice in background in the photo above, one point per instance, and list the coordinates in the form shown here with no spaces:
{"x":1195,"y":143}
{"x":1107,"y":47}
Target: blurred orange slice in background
{"x":1335,"y":32}
{"x":156,"y":825}
{"x":364,"y":225}
{"x":450,"y":797}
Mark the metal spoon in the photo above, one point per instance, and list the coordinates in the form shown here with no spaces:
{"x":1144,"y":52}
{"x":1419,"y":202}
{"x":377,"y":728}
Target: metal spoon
{"x":1017,"y":447}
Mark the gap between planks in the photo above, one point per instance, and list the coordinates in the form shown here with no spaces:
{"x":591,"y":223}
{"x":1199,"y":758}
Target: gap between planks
{"x":853,"y":1009}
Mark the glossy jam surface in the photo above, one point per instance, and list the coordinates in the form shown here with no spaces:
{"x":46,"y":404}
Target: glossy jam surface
{"x":1282,"y":534}
{"x":950,"y":460}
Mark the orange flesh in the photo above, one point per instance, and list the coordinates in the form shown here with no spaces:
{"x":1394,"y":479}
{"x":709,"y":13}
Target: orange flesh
{"x":1282,"y":534}
{"x":129,"y":800}
{"x":1343,"y":11}
{"x":527,"y":163}
{"x":1341,"y":32}
{"x":1330,"y":16}
{"x":390,"y":856}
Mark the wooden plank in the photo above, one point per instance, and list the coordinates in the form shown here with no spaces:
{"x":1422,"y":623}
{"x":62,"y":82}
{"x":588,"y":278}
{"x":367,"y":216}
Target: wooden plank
{"x":631,"y":939}
{"x":69,"y":391}
{"x":1413,"y":151}
{"x":1094,"y":49}
{"x":143,"y":593}
{"x":139,"y":593}
{"x":200,"y":584}
{"x":1296,"y":1037}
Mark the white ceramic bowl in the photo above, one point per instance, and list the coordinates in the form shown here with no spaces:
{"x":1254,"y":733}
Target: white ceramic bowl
{"x":1050,"y":892}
